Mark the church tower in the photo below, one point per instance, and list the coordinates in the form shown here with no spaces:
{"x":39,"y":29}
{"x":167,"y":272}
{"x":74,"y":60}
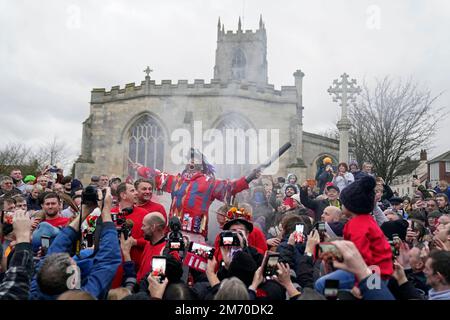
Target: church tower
{"x":242,"y":55}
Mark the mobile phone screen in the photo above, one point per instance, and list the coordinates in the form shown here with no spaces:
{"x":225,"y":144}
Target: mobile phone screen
{"x":299,"y":228}
{"x":227,"y":241}
{"x":175,"y":245}
{"x":159,"y":265}
{"x":331,"y":289}
{"x":45,"y":242}
{"x":321,"y":226}
{"x":198,"y":246}
{"x":271,"y":266}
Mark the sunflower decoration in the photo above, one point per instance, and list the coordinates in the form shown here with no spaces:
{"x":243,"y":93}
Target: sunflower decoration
{"x":238,"y":213}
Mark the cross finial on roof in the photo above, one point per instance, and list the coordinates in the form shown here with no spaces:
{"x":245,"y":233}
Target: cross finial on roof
{"x":147,"y":71}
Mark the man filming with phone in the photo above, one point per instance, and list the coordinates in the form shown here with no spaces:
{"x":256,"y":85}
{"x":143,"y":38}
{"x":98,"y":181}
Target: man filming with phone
{"x":153,"y":228}
{"x":233,"y":240}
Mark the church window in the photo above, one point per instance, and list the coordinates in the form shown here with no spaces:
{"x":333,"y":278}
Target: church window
{"x":146,"y":143}
{"x":238,"y":65}
{"x":236,"y":170}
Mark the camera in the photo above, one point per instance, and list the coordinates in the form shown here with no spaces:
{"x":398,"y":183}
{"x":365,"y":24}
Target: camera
{"x":123,"y":225}
{"x":175,"y":237}
{"x":229,"y":239}
{"x":89,"y":196}
{"x":321,"y":228}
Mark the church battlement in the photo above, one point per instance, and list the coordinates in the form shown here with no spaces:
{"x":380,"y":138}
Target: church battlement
{"x":197,"y":88}
{"x":239,"y":35}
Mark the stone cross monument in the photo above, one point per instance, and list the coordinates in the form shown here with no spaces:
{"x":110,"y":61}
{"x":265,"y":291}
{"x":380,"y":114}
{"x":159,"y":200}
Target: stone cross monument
{"x":346,"y":92}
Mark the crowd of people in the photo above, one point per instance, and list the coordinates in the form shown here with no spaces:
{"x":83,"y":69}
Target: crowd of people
{"x":345,"y":237}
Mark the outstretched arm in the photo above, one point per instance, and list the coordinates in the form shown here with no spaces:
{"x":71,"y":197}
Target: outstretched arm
{"x":163,"y":181}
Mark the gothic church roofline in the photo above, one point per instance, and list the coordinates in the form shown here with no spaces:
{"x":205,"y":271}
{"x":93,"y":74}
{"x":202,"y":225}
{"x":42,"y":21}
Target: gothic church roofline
{"x":287,"y":94}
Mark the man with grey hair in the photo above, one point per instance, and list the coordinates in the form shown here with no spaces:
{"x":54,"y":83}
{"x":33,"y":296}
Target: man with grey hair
{"x":367,"y":169}
{"x":7,"y":187}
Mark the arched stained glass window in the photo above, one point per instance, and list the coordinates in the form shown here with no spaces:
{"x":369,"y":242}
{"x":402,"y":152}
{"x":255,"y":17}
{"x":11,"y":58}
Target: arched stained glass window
{"x":234,"y":171}
{"x":146,"y":143}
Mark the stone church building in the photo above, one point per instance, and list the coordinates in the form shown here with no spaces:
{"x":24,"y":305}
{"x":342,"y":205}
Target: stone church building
{"x":136,"y":122}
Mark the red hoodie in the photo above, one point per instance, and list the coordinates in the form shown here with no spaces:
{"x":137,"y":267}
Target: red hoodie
{"x":367,"y":236}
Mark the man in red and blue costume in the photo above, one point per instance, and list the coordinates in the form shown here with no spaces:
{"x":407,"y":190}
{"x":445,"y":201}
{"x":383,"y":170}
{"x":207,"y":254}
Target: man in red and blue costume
{"x":193,"y":191}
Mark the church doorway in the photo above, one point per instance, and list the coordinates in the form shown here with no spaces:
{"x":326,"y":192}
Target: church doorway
{"x":318,"y":162}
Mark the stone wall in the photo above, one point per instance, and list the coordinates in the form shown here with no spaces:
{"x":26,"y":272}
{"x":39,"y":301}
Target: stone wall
{"x":105,"y":137}
{"x":314,"y":146}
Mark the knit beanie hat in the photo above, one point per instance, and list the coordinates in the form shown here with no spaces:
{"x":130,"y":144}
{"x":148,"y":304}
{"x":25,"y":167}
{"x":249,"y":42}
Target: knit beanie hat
{"x":359,"y":196}
{"x":243,"y":267}
{"x":398,"y":227}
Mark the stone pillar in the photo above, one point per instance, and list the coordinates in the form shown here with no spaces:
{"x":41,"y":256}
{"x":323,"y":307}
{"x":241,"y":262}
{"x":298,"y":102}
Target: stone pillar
{"x":298,"y":75}
{"x":346,"y":92}
{"x":344,"y":126}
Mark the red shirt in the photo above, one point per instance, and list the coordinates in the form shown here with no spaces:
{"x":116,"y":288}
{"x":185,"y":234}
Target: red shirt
{"x":151,"y":206}
{"x":149,"y":252}
{"x":289,"y":202}
{"x":367,"y":236}
{"x":136,"y":216}
{"x":58,"y":222}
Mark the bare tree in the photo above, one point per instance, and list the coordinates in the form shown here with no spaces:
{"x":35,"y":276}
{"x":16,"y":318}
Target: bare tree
{"x":52,"y":152}
{"x":14,"y":155}
{"x":33,"y":160}
{"x":392,"y":122}
{"x":330,"y":133}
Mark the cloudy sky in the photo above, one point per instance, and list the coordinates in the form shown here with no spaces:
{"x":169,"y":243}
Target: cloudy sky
{"x":52,"y":53}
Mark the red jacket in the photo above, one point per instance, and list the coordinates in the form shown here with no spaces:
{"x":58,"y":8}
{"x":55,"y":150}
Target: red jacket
{"x":256,"y":239}
{"x":367,"y":236}
{"x":136,"y":216}
{"x":191,"y":198}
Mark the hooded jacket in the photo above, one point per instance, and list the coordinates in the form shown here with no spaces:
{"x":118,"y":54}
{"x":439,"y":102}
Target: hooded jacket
{"x":99,"y":269}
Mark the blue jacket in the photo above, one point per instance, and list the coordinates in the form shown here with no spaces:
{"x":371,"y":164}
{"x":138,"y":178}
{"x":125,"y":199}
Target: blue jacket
{"x":446,"y":192}
{"x":381,"y":293}
{"x":98,"y":270}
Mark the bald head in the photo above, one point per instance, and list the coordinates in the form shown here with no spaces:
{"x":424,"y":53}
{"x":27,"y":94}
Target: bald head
{"x":154,"y":218}
{"x":153,"y":226}
{"x":331,"y":214}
